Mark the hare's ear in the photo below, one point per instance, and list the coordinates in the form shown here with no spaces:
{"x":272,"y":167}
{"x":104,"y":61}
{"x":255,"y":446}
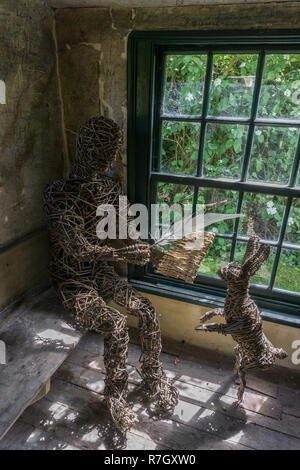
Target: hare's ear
{"x":252,"y":247}
{"x":253,"y":264}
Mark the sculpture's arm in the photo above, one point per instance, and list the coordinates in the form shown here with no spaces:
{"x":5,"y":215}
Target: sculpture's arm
{"x":236,"y":327}
{"x":68,"y":232}
{"x":211,"y":314}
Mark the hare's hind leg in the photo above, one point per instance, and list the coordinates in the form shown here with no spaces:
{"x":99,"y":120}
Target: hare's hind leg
{"x":240,"y":372}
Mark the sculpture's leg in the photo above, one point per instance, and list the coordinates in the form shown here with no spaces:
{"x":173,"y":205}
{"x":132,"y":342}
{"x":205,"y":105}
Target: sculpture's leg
{"x":92,"y":312}
{"x":151,"y":368}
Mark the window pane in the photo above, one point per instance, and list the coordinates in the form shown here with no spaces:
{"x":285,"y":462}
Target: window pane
{"x":279,"y":96}
{"x":220,"y":201}
{"x":232,"y":84}
{"x":184,"y":85}
{"x":218,"y":256}
{"x":224,"y":149}
{"x":288,"y":271}
{"x":263,"y":275}
{"x":265,"y":211}
{"x":272,"y":154}
{"x":292,"y":233}
{"x":169,"y":193}
{"x":180,"y":143}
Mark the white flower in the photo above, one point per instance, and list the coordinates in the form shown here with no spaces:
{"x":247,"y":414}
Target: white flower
{"x":287,"y":92}
{"x":290,"y":221}
{"x":271,"y":209}
{"x":218,"y":81}
{"x":258,"y":132}
{"x":189,"y":97}
{"x":243,"y":64}
{"x":278,"y":79}
{"x":286,"y":56}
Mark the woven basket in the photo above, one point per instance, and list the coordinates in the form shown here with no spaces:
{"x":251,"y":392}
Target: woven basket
{"x":183,"y":259}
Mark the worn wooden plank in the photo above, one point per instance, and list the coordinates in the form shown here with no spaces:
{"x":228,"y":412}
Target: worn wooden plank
{"x":88,"y":424}
{"x":221,"y":402}
{"x":24,"y":436}
{"x":164,"y":433}
{"x":228,"y":424}
{"x":39,"y":335}
{"x":261,"y":386}
{"x":256,"y":403}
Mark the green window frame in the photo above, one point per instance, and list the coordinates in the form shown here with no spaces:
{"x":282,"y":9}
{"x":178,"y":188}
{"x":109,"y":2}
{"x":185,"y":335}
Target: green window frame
{"x":147,"y":53}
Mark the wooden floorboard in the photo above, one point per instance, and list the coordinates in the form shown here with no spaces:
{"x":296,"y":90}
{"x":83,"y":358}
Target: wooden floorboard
{"x":38,"y":334}
{"x":74,"y":415}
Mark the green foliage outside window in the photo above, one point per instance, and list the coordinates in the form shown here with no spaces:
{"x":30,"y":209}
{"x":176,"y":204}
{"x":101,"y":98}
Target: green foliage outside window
{"x":271,"y":158}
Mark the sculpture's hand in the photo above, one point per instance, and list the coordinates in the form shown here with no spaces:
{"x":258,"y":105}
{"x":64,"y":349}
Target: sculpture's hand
{"x":136,"y":254}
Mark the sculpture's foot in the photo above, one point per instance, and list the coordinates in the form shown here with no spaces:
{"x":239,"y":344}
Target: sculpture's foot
{"x":122,"y":415}
{"x":165,"y":394}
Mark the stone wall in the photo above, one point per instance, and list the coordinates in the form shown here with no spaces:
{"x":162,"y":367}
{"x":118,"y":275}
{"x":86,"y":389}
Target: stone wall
{"x":31,"y":144}
{"x":92,"y":49}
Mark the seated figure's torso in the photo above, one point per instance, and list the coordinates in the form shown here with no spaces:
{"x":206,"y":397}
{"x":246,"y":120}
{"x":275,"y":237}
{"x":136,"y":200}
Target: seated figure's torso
{"x":72,"y":201}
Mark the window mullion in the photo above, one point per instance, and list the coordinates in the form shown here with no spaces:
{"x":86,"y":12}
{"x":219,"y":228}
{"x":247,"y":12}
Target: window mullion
{"x":236,"y":225}
{"x":160,"y":79}
{"x":205,"y":106}
{"x":295,"y":169}
{"x":255,"y":99}
{"x":196,"y":192}
{"x":280,"y":241}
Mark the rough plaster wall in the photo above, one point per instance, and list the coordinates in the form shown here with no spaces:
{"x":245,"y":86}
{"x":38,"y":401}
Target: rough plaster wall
{"x":92,"y":49}
{"x":31,"y":144}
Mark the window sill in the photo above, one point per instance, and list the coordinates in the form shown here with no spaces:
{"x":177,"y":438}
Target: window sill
{"x":205,"y":300}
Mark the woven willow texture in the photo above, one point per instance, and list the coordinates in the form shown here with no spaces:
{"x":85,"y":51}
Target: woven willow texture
{"x":243,"y":320}
{"x":83,"y":273}
{"x":182,"y":262}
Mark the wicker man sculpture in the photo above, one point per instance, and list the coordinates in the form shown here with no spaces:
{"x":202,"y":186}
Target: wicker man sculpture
{"x":83,"y":273}
{"x":243,"y":320}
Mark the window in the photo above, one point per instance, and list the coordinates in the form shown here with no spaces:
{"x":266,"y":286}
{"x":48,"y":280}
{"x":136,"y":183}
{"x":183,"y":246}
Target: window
{"x":216,"y":120}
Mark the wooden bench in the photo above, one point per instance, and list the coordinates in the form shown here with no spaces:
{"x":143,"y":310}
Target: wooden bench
{"x":37,"y":335}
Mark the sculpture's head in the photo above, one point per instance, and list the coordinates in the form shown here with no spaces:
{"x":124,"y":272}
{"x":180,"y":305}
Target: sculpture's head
{"x":256,"y":254}
{"x":97,"y":145}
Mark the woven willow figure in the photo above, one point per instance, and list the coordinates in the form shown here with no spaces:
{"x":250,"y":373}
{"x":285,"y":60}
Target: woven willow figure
{"x":243,"y":320}
{"x":83,"y":273}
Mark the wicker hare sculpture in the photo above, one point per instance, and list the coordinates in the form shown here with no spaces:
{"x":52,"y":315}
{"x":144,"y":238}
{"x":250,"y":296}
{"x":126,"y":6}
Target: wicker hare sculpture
{"x":82,"y":269}
{"x":243,"y":320}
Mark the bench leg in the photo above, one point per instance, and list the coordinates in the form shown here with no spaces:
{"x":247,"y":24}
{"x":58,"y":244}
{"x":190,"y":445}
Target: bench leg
{"x":42,"y":392}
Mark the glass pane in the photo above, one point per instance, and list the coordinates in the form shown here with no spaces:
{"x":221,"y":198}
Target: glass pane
{"x":218,"y":256}
{"x":171,"y":193}
{"x":179,"y":194}
{"x":292,"y":233}
{"x":272,"y":154}
{"x":288,"y":271}
{"x":219,"y":201}
{"x":180,"y":143}
{"x":184,"y":85}
{"x":263,"y":275}
{"x":232,"y":84}
{"x":224,"y":149}
{"x":264,"y":212}
{"x":279,"y":97}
